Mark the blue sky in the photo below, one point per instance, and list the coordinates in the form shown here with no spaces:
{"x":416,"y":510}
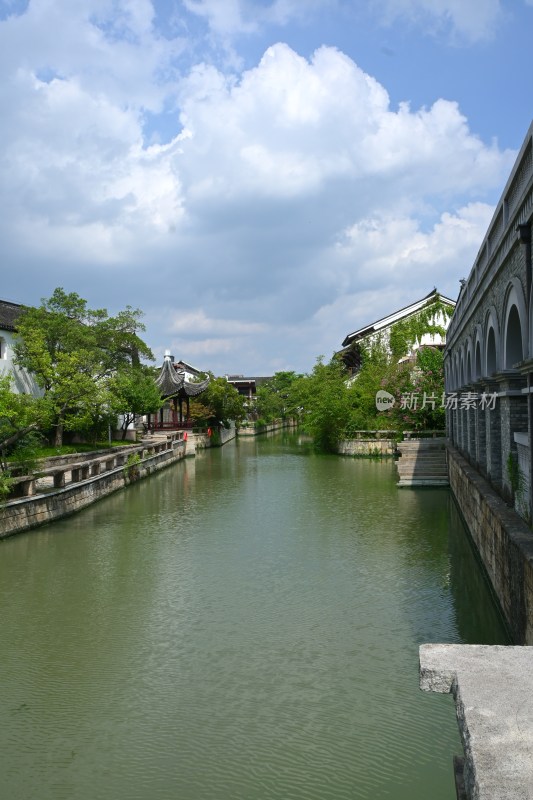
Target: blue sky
{"x":260,"y":177}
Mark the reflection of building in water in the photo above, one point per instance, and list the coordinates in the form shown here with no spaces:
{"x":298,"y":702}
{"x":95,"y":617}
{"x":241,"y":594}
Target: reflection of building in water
{"x":177,"y":383}
{"x":22,"y":381}
{"x":477,"y":615}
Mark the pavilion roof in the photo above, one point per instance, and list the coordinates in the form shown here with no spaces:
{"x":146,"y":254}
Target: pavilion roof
{"x":171,"y":381}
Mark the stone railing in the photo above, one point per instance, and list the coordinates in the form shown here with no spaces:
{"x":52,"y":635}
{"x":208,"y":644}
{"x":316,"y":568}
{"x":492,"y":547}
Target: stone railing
{"x":57,"y":491}
{"x":53,"y":475}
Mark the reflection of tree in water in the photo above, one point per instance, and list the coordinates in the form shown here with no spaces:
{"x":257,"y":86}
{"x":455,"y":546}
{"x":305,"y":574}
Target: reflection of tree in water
{"x":478,"y":618}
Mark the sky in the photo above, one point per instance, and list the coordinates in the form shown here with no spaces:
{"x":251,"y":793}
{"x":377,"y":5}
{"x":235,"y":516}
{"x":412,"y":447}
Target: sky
{"x":259,"y":177}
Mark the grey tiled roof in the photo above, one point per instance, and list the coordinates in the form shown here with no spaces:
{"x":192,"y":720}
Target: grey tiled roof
{"x":9,"y":313}
{"x":171,"y":381}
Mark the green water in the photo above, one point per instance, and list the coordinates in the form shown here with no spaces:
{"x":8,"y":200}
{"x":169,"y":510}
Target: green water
{"x":244,"y":625}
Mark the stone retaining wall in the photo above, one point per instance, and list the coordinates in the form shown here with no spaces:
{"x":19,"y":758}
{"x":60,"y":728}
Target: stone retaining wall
{"x":367,"y":447}
{"x":20,"y":515}
{"x":270,"y":427}
{"x":503,"y":541}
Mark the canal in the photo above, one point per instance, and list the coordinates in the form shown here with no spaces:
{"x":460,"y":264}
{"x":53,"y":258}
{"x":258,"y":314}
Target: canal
{"x":242,"y":626}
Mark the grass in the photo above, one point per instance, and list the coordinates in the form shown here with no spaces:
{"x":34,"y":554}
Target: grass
{"x":71,"y":449}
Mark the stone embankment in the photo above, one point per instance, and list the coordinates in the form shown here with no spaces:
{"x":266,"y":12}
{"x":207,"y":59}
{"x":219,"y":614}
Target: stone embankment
{"x":60,"y":489}
{"x":204,"y":439}
{"x":504,"y":543}
{"x":251,"y":429}
{"x":369,"y":443}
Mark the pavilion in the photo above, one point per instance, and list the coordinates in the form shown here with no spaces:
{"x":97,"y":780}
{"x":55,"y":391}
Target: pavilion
{"x":176,"y":390}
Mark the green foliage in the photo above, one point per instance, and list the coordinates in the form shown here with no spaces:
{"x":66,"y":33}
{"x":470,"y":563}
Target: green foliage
{"x":131,"y":467}
{"x":375,"y":373}
{"x":6,"y":482}
{"x":323,"y":398}
{"x":219,"y":404}
{"x":418,"y":388}
{"x":406,"y":332}
{"x":335,"y":406}
{"x":19,"y":414}
{"x":274,"y":398}
{"x":24,"y":457}
{"x":133,"y":393}
{"x":73,"y":351}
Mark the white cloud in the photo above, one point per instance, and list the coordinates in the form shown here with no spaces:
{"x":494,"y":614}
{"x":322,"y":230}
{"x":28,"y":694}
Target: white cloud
{"x":391,"y":249}
{"x":458,"y":20}
{"x":228,"y":18}
{"x":283,"y":193}
{"x":290,"y":126}
{"x":195,"y":322}
{"x":467,"y":20}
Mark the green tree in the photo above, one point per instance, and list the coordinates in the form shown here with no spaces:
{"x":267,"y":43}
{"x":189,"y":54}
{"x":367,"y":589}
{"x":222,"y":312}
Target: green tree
{"x":418,"y":387}
{"x":274,"y":397}
{"x":133,"y":392}
{"x":72,"y":350}
{"x":19,"y":415}
{"x":324,"y":400}
{"x":220,"y":403}
{"x":375,"y":374}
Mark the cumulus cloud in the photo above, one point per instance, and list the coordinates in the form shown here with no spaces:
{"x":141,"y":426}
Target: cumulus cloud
{"x":279,"y":198}
{"x":393,"y":248}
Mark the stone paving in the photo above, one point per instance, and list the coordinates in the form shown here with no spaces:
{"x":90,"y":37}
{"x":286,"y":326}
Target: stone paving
{"x":493,"y":691}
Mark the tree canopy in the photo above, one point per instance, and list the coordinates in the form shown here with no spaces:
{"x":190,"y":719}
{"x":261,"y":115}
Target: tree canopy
{"x":74,"y":351}
{"x":220,"y":403}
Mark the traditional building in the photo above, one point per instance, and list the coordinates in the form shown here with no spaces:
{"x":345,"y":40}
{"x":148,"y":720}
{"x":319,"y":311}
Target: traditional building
{"x":247,"y":387}
{"x":489,"y":355}
{"x":176,"y":389}
{"x":22,"y":381}
{"x":380,"y":330}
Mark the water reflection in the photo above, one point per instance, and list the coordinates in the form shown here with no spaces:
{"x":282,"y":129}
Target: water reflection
{"x":242,"y":625}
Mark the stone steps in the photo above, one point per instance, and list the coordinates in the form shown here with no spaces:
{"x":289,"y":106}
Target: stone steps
{"x":422,"y":462}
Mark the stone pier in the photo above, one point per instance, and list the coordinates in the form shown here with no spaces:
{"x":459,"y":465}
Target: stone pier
{"x":493,"y":691}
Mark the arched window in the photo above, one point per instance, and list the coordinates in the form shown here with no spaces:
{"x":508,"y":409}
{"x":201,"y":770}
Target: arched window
{"x":468,"y":374}
{"x":491,"y":352}
{"x":477,"y":361}
{"x":514,"y":352}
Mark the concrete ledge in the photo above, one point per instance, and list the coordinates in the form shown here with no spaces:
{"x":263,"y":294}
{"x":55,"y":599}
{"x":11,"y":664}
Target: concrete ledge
{"x":493,"y":691}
